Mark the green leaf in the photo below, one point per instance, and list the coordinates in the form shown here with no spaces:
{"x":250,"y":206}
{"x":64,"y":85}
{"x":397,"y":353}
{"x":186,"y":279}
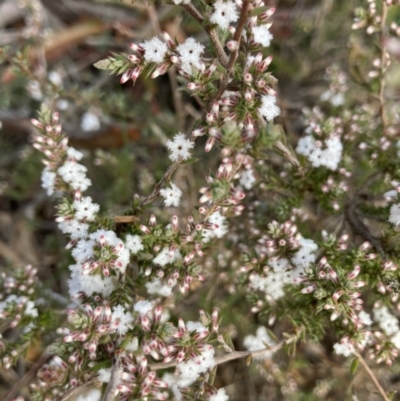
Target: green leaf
{"x":259,"y":10}
{"x":354,"y":366}
{"x":190,"y":161}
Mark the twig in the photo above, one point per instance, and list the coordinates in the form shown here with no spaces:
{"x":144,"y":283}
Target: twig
{"x":383,"y":57}
{"x":359,"y":228}
{"x":27,"y":377}
{"x":372,"y":376}
{"x":225,"y":358}
{"x":109,"y":394}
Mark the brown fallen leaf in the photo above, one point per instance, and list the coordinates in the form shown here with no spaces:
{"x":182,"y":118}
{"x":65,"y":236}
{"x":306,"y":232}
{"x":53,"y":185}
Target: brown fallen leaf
{"x":57,"y":44}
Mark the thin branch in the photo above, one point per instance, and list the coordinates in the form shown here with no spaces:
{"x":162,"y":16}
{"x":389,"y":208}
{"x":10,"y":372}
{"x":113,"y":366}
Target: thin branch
{"x":372,"y":376}
{"x":225,"y":358}
{"x":28,"y":376}
{"x":383,"y":62}
{"x":109,"y":394}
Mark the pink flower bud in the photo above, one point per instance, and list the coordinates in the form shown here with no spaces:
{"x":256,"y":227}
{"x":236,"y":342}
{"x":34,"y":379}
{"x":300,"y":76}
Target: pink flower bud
{"x":209,"y":144}
{"x":232,"y":45}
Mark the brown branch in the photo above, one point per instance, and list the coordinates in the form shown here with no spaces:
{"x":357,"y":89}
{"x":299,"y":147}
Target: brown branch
{"x":27,"y":377}
{"x":372,"y":376}
{"x":109,"y":394}
{"x":225,"y":358}
{"x":383,"y":60}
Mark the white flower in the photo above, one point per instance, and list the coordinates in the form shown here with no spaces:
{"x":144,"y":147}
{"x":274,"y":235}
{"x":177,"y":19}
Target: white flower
{"x":158,"y":287}
{"x":394,"y":217}
{"x":104,"y":375}
{"x":179,"y":147}
{"x":35,"y":90}
{"x":329,"y":157}
{"x":225,"y":13}
{"x":143,"y":307}
{"x":166,"y":256}
{"x":268,"y":107}
{"x":55,"y":78}
{"x":133,"y":345}
{"x":220,"y":395}
{"x":262,"y":35}
{"x":85,"y":209}
{"x":83,"y":250}
{"x":72,"y":153}
{"x":259,"y":341}
{"x":89,"y":284}
{"x":90,"y":122}
{"x":218,"y":219}
{"x":247,"y":178}
{"x":365,"y":318}
{"x":121,"y":320}
{"x":190,"y":53}
{"x":30,"y":309}
{"x":172,"y":195}
{"x":154,"y":50}
{"x":92,"y":395}
{"x":195,"y":326}
{"x":177,"y":2}
{"x":48,"y":179}
{"x":387,"y":322}
{"x":306,"y":253}
{"x":74,"y":174}
{"x":343,"y":348}
{"x":306,"y":145}
{"x":134,"y":243}
{"x":396,"y":340}
{"x":74,"y":228}
{"x":173,"y":385}
{"x":190,"y":370}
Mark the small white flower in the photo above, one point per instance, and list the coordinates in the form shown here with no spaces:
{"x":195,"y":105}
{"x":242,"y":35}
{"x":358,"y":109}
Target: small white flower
{"x":158,"y":287}
{"x":195,"y":326}
{"x":220,"y":395}
{"x":190,"y":53}
{"x":74,"y":228}
{"x":344,"y":348}
{"x":121,"y":320}
{"x":259,"y":341}
{"x":83,"y":250}
{"x":143,"y":307}
{"x":172,"y":195}
{"x":262,"y":35}
{"x":306,"y":145}
{"x":48,"y":179}
{"x":104,"y":375}
{"x":225,"y":13}
{"x":365,"y":318}
{"x":154,"y":50}
{"x":179,"y":147}
{"x":394,"y":217}
{"x":247,"y":178}
{"x":85,"y":209}
{"x":268,"y":107}
{"x":92,"y":395}
{"x":72,"y":153}
{"x":165,"y":257}
{"x":134,"y":243}
{"x":90,"y":122}
{"x":55,"y":78}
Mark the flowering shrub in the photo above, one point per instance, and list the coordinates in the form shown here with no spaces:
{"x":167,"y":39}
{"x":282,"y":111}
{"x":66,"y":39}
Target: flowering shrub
{"x":284,"y":223}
